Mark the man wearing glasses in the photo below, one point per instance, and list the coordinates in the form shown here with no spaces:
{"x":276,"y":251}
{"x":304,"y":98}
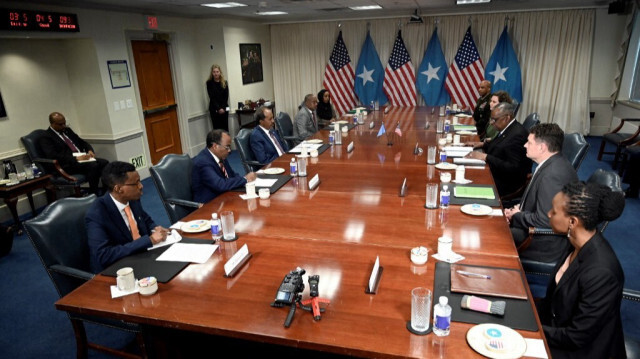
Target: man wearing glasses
{"x":505,"y":154}
{"x":116,"y":224}
{"x":212,"y":174}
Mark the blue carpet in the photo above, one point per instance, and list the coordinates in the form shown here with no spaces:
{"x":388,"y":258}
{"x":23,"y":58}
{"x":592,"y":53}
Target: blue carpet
{"x":32,"y":328}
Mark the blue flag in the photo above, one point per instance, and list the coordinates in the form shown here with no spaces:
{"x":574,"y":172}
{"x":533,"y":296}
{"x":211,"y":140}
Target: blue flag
{"x":369,"y":75}
{"x":381,"y":131}
{"x":503,"y":69}
{"x":432,"y":74}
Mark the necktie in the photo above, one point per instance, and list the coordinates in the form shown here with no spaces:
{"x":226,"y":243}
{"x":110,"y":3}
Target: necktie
{"x":69,"y":142}
{"x":275,"y":140}
{"x":313,"y":117}
{"x":132,"y":223}
{"x":224,"y":170}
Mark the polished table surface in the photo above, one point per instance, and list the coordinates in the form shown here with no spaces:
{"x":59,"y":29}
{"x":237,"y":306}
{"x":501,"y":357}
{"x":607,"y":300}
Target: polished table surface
{"x":336,"y":230}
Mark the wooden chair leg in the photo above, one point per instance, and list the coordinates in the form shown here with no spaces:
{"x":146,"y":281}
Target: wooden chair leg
{"x":81,"y":339}
{"x":602,"y":144}
{"x":141,"y":345}
{"x":616,"y":157}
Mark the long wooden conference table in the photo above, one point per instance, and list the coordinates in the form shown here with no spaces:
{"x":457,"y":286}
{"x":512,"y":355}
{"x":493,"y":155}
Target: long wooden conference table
{"x":336,"y":231}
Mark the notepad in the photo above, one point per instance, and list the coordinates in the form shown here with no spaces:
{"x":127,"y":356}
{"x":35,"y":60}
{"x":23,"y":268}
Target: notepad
{"x":474,"y":192}
{"x":464,"y":127}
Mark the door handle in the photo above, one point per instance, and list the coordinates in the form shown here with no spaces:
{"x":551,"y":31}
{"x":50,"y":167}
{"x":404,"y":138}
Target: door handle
{"x":159,"y":109}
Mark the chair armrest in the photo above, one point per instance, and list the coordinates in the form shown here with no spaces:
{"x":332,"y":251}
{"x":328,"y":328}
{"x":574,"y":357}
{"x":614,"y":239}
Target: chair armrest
{"x":627,"y":141}
{"x":254,"y":163}
{"x":57,"y":167}
{"x":290,"y":137}
{"x":184,"y":203}
{"x":71,"y":272}
{"x":631,"y":294}
{"x":536,"y":231}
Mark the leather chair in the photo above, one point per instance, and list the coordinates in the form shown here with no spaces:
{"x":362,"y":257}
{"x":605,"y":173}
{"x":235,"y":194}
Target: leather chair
{"x":632,"y":345}
{"x":243,"y":145}
{"x":626,"y":154}
{"x":59,"y":237}
{"x":575,"y":149}
{"x":285,"y":127}
{"x":531,"y":120}
{"x":59,"y":178}
{"x":619,"y":139}
{"x":172,"y":178}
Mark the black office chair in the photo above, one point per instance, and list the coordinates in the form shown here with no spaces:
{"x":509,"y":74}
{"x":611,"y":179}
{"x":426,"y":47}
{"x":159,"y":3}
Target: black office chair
{"x":172,"y":177}
{"x":243,"y":145}
{"x":59,"y":237}
{"x":531,"y":120}
{"x":59,"y":178}
{"x":285,"y":127}
{"x":538,"y":273}
{"x":575,"y":149}
{"x":632,"y":345}
{"x":627,"y":153}
{"x":619,"y":139}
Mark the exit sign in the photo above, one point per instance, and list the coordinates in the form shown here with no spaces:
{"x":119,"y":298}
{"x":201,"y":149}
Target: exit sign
{"x":138,"y":161}
{"x":152,"y":23}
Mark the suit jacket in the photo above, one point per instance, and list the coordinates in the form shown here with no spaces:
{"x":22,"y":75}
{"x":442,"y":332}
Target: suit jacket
{"x":507,"y":158}
{"x":303,"y":125}
{"x":53,"y":147}
{"x":482,"y":114}
{"x":109,"y":236}
{"x":207,"y":179}
{"x":581,"y":314}
{"x":548,"y":180}
{"x":262,"y":147}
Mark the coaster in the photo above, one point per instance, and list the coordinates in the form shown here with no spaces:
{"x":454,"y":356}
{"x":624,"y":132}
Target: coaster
{"x":229,"y":240}
{"x":413,"y":331}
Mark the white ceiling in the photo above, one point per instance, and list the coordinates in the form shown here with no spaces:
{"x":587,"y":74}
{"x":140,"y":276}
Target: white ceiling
{"x":311,"y":10}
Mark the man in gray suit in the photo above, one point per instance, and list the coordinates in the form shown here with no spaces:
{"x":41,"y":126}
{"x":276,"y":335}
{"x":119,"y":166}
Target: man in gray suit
{"x":305,"y":122}
{"x":552,"y":173}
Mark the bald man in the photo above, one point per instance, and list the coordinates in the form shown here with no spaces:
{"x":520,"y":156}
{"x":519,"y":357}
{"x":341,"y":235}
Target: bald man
{"x":482,"y":112}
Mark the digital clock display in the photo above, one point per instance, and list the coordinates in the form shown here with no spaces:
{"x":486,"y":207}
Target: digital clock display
{"x":29,"y":20}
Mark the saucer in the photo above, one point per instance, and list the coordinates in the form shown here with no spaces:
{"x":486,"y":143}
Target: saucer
{"x":446,"y":166}
{"x":464,"y":181}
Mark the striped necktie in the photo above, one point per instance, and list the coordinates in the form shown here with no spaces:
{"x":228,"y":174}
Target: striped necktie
{"x":224,"y":170}
{"x":275,"y":140}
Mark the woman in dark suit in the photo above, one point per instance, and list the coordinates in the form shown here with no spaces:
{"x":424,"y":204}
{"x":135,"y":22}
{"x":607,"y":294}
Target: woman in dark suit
{"x":218,"y":99}
{"x":580,"y":314}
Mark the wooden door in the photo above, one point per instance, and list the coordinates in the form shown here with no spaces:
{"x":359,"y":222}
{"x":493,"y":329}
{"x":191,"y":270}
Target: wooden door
{"x":153,"y":72}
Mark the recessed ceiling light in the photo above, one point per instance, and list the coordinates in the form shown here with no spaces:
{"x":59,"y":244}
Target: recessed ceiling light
{"x":468,"y":2}
{"x":222,"y":5}
{"x":367,"y":7}
{"x":266,"y":13}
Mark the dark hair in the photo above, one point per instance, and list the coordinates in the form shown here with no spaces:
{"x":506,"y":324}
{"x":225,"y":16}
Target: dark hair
{"x":503,"y":96}
{"x":592,"y":203}
{"x":549,"y":133}
{"x":54,"y":115}
{"x":215,"y":136}
{"x":505,"y":108}
{"x":116,"y":173}
{"x":259,"y":115}
{"x":321,"y":96}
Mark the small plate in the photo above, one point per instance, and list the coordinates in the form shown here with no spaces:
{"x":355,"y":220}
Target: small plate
{"x":446,"y":166}
{"x":341,"y":122}
{"x":465,"y":133}
{"x":480,"y":336}
{"x":315,"y":140}
{"x":464,"y":181}
{"x":476,"y":209}
{"x":4,"y":181}
{"x":273,"y":171}
{"x":199,"y":225}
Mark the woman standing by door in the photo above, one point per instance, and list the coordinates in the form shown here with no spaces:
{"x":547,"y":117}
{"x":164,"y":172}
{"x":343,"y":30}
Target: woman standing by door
{"x":218,"y":99}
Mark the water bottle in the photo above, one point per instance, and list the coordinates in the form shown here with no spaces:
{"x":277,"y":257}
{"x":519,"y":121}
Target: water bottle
{"x":331,"y":137}
{"x":36,"y":170}
{"x":444,"y":196}
{"x":372,"y":106}
{"x":293,"y":167}
{"x":446,"y":126}
{"x":216,"y":233}
{"x":441,"y":317}
{"x":443,"y":156}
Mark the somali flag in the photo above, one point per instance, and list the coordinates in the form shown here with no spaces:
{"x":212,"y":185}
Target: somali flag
{"x":503,"y":69}
{"x":369,"y":75}
{"x":432,"y":74}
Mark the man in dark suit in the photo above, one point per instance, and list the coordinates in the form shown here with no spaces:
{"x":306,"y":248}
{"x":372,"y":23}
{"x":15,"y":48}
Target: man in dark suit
{"x":61,"y":143}
{"x":505,"y":154}
{"x":305,"y":122}
{"x":552,"y":173}
{"x":212,"y":174}
{"x":482,"y":111}
{"x":117,"y":226}
{"x":266,"y":143}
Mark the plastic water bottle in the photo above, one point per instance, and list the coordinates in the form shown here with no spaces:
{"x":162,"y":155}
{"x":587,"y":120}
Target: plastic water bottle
{"x":446,"y":126}
{"x":441,"y":317}
{"x":293,"y":167}
{"x":372,"y":106}
{"x":444,"y":197}
{"x":331,"y":137}
{"x":216,"y":232}
{"x":36,"y":170}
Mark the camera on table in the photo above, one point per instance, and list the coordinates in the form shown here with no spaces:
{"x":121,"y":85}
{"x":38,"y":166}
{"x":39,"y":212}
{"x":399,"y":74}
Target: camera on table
{"x":290,"y":288}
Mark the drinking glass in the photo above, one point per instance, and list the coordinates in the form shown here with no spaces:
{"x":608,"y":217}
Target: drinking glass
{"x":228,"y":225}
{"x":431,"y":155}
{"x":432,"y":195}
{"x":420,"y":308}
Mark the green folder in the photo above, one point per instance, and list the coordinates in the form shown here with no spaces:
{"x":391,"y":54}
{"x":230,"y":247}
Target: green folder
{"x":464,"y":127}
{"x":474,"y":192}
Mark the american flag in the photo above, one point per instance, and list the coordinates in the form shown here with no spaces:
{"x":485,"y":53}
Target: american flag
{"x":400,"y":78}
{"x":339,"y":78}
{"x":465,"y":73}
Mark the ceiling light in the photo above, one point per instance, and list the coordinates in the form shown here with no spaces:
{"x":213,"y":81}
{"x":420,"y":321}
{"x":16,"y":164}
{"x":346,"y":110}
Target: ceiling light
{"x":366,"y":7}
{"x":222,"y":5}
{"x":469,"y":2}
{"x":266,"y":13}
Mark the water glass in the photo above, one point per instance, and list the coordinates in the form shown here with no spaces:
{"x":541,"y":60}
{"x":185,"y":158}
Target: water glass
{"x":29,"y":171}
{"x":250,"y":187}
{"x":420,"y":309}
{"x":431,"y":155}
{"x":432,"y":196}
{"x":302,"y":167}
{"x":228,"y":225}
{"x":440,"y":126}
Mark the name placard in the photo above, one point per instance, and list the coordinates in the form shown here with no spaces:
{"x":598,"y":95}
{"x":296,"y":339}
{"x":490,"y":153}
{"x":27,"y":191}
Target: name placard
{"x":237,"y":261}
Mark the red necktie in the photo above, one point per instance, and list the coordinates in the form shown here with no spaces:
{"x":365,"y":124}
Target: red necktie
{"x":69,"y":143}
{"x":224,"y":171}
{"x":275,"y":140}
{"x":132,"y":223}
{"x":313,"y":117}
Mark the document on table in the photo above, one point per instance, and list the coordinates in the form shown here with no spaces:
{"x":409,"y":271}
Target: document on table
{"x":468,"y":161}
{"x":474,"y":192}
{"x":172,"y":238}
{"x":309,"y":146}
{"x":265,"y":182}
{"x":187,"y":252}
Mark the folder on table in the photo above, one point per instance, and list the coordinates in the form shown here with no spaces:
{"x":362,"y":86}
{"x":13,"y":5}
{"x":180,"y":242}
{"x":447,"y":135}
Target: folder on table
{"x":474,"y":192}
{"x":503,"y":282}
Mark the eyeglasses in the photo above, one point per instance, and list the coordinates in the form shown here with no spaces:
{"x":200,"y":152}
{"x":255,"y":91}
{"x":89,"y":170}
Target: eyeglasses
{"x":228,"y":147}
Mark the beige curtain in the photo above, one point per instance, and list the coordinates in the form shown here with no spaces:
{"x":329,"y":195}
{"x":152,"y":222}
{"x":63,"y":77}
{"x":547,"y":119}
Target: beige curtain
{"x":553,"y":48}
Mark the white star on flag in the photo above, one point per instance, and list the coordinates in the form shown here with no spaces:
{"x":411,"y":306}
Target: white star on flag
{"x":498,"y":73}
{"x":431,"y":73}
{"x":366,"y":76}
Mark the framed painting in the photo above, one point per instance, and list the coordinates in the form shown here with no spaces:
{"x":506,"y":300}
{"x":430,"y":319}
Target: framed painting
{"x":251,"y":63}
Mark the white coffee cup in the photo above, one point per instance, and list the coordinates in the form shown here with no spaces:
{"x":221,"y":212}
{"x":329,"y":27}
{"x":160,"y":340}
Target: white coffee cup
{"x":125,"y":280}
{"x":460,"y":171}
{"x":445,"y":245}
{"x":264,"y":193}
{"x":456,"y":139}
{"x":313,"y":153}
{"x":445,"y":177}
{"x":449,"y":138}
{"x":250,"y":188}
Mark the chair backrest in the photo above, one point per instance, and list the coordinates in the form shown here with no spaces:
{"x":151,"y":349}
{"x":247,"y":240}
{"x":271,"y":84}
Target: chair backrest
{"x":31,"y":143}
{"x":575,"y":149}
{"x":531,"y":120}
{"x":59,"y":236}
{"x":243,"y":145}
{"x":284,"y":124}
{"x":172,"y":177}
{"x":609,"y":179}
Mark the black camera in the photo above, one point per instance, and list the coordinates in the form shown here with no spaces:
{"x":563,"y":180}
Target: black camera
{"x":291,"y":286}
{"x":313,"y":285}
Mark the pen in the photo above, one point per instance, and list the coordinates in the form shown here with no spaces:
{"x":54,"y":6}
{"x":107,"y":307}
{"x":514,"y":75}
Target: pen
{"x":470,"y":274}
